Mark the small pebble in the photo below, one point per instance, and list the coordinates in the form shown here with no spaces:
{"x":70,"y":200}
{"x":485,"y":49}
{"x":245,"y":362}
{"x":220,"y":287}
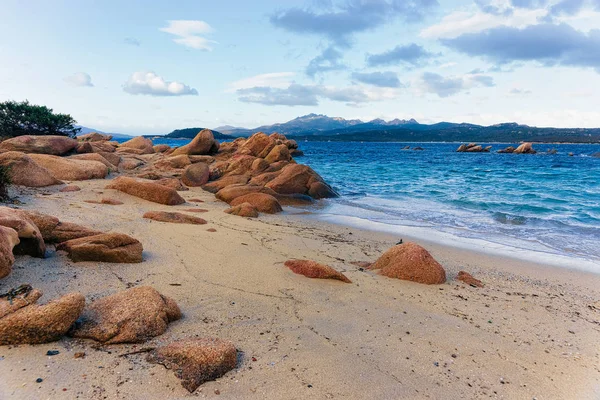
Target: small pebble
{"x":217,"y":391}
{"x":39,"y":380}
{"x":52,"y":352}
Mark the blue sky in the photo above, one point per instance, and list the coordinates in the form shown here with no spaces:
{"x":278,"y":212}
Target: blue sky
{"x":150,"y":67}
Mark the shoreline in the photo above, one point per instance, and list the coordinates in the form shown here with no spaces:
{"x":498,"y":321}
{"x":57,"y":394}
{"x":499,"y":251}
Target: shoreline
{"x":377,"y":337}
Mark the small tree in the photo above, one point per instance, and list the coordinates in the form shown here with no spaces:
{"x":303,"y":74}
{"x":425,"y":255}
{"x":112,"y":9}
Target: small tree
{"x":28,"y":119}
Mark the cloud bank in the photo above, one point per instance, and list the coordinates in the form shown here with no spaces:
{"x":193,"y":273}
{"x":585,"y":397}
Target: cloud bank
{"x":79,"y":79}
{"x":190,"y":33}
{"x":150,"y":84}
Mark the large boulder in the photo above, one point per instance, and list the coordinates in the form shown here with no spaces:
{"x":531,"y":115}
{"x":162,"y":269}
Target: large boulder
{"x":33,"y":324}
{"x":172,"y":162}
{"x":8,"y":240}
{"x":173,"y":183}
{"x":144,"y":145}
{"x":55,"y":231}
{"x":257,"y":145}
{"x":203,"y":143}
{"x":228,"y":193}
{"x":31,"y":241}
{"x":243,"y":210}
{"x":215,"y":186}
{"x":106,"y":247}
{"x":146,"y":190}
{"x":296,"y":178}
{"x":525,"y":148}
{"x":70,"y":169}
{"x":25,"y":171}
{"x":131,"y":316}
{"x":197,"y":360}
{"x":509,"y":149}
{"x":195,"y":175}
{"x":410,"y":262}
{"x":312,"y":269}
{"x":94,"y":157}
{"x":174,"y":217}
{"x":261,"y":201}
{"x":53,"y":145}
{"x":278,"y":153}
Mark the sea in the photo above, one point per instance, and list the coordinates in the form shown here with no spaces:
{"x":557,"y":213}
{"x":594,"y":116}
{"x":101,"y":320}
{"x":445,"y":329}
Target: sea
{"x":541,"y":207}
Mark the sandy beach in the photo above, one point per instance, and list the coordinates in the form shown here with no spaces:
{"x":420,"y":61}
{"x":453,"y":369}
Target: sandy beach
{"x":531,"y":333}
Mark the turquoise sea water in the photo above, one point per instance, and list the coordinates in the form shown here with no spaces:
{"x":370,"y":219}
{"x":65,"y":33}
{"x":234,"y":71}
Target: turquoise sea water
{"x":546,"y":203}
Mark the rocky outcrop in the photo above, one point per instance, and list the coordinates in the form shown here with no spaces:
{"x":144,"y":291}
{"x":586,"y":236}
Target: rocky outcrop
{"x":105,"y":247}
{"x":243,"y":210}
{"x":469,"y":279}
{"x":71,"y":169}
{"x":525,"y":148}
{"x":196,"y":361}
{"x":131,"y":316}
{"x":195,"y":175}
{"x":24,"y":171}
{"x":49,"y":144}
{"x":300,"y":179}
{"x":8,"y":240}
{"x":94,"y":137}
{"x":257,"y":145}
{"x":472,"y":148}
{"x":146,"y":190}
{"x":261,"y":201}
{"x":312,"y":269}
{"x":410,"y":262}
{"x":32,"y":323}
{"x":31,"y":241}
{"x":278,"y":153}
{"x":203,"y":143}
{"x":174,"y":217}
{"x":140,"y":143}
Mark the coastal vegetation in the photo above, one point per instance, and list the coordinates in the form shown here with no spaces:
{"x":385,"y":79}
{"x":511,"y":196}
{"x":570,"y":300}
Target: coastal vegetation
{"x":24,"y":118}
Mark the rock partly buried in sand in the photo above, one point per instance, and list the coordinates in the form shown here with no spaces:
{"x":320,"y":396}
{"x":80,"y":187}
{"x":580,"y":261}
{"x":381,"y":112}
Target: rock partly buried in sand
{"x":195,"y":175}
{"x":203,"y":143}
{"x":468,"y":279}
{"x":139,"y":143}
{"x":105,"y":200}
{"x":261,"y":201}
{"x":174,"y":217}
{"x":31,"y":240}
{"x":131,"y":316}
{"x":24,"y":171}
{"x":525,"y":148}
{"x":196,"y":361}
{"x":313,"y":269}
{"x":146,"y":190}
{"x":33,"y":324}
{"x":71,"y":169}
{"x":47,"y":144}
{"x":106,"y":247}
{"x":70,"y":188}
{"x":410,"y":262}
{"x":55,"y":231}
{"x":8,"y":240}
{"x":243,"y":210}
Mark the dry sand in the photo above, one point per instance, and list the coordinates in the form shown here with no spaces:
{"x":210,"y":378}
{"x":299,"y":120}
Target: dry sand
{"x":532,"y":332}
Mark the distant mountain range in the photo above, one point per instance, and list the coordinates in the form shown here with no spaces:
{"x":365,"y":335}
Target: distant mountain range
{"x":322,"y":127}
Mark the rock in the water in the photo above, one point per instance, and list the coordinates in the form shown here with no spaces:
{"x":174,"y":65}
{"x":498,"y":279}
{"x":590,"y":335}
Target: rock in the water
{"x":31,"y":240}
{"x":106,"y":247}
{"x":71,"y":169}
{"x":203,"y":143}
{"x":312,"y":269}
{"x":131,"y":316}
{"x":243,"y":210}
{"x":174,"y":217}
{"x":70,"y":188}
{"x":195,"y":175}
{"x":45,"y":144}
{"x":410,"y":262}
{"x":468,"y":279}
{"x":139,"y":143}
{"x":196,"y":361}
{"x":34,"y":324}
{"x":507,"y":150}
{"x":261,"y":201}
{"x":596,"y":155}
{"x":146,"y":190}
{"x":525,"y":148}
{"x":24,"y":171}
{"x":8,"y":239}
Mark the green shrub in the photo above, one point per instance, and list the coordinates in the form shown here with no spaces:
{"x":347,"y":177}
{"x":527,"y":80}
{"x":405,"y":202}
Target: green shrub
{"x":23,"y":118}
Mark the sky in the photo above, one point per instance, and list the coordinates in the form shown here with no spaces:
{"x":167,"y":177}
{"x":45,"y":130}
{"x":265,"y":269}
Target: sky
{"x":148,"y":67}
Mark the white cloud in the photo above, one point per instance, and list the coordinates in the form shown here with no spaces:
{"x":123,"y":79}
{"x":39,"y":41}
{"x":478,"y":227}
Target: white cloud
{"x":273,"y":79}
{"x":79,"y":79}
{"x":190,"y":33}
{"x":148,"y":83}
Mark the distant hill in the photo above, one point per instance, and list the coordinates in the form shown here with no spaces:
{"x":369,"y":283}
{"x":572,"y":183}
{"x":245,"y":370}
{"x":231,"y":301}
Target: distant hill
{"x":85,"y":130}
{"x":190,"y":133}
